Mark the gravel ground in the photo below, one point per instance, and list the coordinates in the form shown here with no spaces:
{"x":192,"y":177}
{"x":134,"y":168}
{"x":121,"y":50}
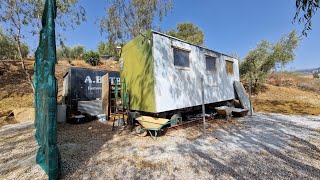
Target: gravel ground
{"x":265,"y":146}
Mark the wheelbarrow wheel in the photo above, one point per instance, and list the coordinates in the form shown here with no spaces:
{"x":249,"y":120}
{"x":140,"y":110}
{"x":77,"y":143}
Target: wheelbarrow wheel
{"x":140,"y":131}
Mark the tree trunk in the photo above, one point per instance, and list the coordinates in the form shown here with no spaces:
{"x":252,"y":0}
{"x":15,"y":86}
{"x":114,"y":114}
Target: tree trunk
{"x":23,"y":65}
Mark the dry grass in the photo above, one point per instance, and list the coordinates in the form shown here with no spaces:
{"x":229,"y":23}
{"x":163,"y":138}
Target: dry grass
{"x":286,"y":100}
{"x":304,"y":82}
{"x":289,"y":93}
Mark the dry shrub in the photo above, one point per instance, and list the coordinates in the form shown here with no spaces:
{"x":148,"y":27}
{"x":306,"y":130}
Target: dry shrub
{"x":293,"y":79}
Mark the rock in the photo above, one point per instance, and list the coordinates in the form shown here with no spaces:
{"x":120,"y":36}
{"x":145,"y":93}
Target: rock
{"x":24,"y":114}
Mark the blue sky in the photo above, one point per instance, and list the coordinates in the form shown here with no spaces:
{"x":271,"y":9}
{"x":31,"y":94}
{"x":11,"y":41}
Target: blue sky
{"x":231,"y":26}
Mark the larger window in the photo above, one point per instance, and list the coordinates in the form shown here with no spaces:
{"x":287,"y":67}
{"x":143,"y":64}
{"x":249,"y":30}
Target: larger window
{"x":211,"y":64}
{"x":181,"y":57}
{"x":229,"y":67}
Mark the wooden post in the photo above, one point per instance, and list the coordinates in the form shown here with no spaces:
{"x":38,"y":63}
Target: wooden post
{"x":105,"y":95}
{"x":203,"y":106}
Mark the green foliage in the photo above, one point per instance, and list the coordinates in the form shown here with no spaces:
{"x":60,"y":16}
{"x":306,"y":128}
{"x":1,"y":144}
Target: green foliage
{"x":24,"y":50}
{"x":8,"y":48}
{"x":77,"y":52}
{"x":65,"y":52}
{"x":126,"y":19}
{"x":188,"y":32}
{"x":266,"y":56}
{"x":92,"y":58}
{"x":109,"y":49}
{"x":19,"y":14}
{"x":316,"y":75}
{"x":5,"y":46}
{"x":305,"y":10}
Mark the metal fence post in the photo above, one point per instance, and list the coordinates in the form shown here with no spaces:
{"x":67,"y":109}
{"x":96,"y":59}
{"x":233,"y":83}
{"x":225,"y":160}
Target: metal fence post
{"x":203,"y":106}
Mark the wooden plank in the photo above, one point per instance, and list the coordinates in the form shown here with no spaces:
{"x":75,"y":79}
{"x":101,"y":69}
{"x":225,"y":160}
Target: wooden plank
{"x":105,"y":94}
{"x":116,"y":116}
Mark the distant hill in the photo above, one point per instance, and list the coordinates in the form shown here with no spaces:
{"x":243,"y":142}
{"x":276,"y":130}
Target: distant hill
{"x":309,"y":71}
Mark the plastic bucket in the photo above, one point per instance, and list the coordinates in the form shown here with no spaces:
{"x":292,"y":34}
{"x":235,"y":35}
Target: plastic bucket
{"x":62,"y":115}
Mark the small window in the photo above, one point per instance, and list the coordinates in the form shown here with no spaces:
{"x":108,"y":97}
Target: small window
{"x":181,"y":58}
{"x":229,"y":67}
{"x":211,"y":63}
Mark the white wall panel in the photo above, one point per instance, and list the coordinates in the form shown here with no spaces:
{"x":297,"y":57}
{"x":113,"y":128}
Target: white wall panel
{"x":180,"y":88}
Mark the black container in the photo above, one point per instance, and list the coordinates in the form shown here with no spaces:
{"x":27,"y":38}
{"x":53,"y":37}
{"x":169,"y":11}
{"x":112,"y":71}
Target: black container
{"x":82,"y":84}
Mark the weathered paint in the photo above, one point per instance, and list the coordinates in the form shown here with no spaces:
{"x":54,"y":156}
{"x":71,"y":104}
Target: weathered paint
{"x":156,"y":85}
{"x":138,"y":71}
{"x":180,"y":88}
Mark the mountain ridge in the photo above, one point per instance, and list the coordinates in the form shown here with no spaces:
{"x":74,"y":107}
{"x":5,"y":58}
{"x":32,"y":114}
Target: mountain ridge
{"x":309,"y":71}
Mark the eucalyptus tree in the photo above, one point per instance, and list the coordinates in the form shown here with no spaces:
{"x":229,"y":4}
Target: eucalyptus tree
{"x":305,"y":10}
{"x":126,"y":19}
{"x":21,"y":15}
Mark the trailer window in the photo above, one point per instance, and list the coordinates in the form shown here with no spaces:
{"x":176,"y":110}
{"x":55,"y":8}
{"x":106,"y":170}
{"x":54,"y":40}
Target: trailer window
{"x":211,"y":63}
{"x":181,"y":58}
{"x":229,"y":67}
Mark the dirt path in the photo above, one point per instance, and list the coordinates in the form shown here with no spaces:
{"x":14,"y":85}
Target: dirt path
{"x":266,"y":146}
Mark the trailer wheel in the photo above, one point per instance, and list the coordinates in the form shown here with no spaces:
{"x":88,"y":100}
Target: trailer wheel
{"x":140,"y":131}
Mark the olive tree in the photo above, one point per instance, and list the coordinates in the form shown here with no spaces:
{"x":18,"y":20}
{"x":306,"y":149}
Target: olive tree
{"x":66,"y":52}
{"x":126,"y":19}
{"x":266,"y":56}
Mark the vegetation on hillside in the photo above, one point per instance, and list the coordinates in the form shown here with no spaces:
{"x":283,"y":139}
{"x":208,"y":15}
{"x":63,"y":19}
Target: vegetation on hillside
{"x":92,"y":58}
{"x":287,"y":100}
{"x":109,"y":49}
{"x":294,"y":80}
{"x":8,"y":49}
{"x":75,"y":52}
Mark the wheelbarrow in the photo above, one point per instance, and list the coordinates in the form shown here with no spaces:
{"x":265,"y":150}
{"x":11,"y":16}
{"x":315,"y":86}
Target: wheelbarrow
{"x":148,"y":124}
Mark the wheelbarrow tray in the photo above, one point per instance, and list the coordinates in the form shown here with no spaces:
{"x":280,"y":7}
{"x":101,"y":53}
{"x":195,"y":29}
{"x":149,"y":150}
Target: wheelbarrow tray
{"x":152,"y":123}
